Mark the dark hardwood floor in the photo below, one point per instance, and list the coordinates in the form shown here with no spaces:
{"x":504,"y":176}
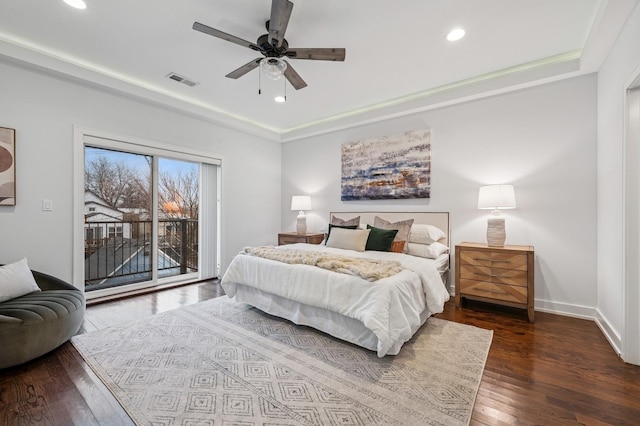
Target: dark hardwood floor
{"x":556,"y":371}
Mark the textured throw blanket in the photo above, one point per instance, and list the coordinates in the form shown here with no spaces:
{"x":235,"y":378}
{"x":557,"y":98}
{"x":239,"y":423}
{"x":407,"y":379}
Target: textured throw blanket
{"x":370,"y":270}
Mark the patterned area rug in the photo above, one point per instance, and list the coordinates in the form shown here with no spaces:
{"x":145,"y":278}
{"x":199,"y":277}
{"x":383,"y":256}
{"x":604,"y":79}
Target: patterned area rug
{"x":223,"y":363}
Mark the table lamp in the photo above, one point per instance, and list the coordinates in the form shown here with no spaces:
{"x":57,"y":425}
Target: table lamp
{"x":301,"y":203}
{"x":496,"y":198}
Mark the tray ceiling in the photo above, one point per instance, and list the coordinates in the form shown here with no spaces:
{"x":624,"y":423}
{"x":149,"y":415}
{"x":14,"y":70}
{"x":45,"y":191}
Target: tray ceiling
{"x":397,"y":54}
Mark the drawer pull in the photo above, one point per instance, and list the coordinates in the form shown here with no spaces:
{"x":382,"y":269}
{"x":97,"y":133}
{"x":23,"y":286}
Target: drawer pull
{"x":493,"y":291}
{"x":481,"y":276}
{"x":482,"y":259}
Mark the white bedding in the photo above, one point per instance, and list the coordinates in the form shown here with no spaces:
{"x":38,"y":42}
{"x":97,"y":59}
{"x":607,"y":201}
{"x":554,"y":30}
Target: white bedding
{"x":392,"y":308}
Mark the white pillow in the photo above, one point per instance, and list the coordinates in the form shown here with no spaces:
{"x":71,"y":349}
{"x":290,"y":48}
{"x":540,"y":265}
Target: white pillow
{"x":430,"y":251}
{"x":425,"y":234}
{"x":16,"y":280}
{"x":348,"y":239}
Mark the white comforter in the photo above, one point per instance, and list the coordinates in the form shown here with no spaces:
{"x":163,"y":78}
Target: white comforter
{"x":389,"y":307}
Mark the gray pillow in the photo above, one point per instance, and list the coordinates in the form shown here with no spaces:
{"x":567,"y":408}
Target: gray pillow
{"x":403,"y":227}
{"x":355,"y":221}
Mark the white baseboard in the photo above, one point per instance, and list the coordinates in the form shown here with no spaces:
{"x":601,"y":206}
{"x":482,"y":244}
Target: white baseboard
{"x":583,"y":312}
{"x":614,"y":338}
{"x":565,"y":309}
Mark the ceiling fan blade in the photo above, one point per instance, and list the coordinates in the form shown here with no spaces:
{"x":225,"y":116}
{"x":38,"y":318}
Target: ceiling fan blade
{"x":318,"y":54}
{"x":294,"y":78}
{"x":228,"y":37}
{"x":280,"y":14}
{"x":244,"y":69}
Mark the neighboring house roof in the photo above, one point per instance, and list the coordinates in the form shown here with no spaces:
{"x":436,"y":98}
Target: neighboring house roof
{"x":106,"y":212}
{"x":92,"y":197}
{"x":107,"y":217}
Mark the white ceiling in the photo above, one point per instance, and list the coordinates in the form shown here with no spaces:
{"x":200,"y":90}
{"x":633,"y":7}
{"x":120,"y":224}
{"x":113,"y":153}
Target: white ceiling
{"x":397,"y":55}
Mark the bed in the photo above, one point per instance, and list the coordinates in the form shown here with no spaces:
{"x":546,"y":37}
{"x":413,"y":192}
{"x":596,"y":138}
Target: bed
{"x":380,"y":315}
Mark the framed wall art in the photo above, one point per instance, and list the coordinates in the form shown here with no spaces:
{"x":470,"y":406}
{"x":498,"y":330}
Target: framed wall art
{"x":7,"y":167}
{"x":389,"y":167}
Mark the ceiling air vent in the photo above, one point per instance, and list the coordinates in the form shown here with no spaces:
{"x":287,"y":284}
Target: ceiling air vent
{"x":181,"y":79}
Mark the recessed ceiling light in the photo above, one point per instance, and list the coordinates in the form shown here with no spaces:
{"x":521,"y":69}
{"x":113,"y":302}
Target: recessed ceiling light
{"x":456,"y":34}
{"x":78,"y":4}
{"x":280,"y":99}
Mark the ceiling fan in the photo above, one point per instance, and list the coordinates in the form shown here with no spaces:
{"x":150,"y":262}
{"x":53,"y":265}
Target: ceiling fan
{"x":274,"y":46}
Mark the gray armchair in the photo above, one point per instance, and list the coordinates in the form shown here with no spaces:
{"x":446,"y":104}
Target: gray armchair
{"x":38,"y":322}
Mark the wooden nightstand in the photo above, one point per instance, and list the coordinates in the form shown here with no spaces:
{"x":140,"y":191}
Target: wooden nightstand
{"x":501,"y":275}
{"x":294,"y":237}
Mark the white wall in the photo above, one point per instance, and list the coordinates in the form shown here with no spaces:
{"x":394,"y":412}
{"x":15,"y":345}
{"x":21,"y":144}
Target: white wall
{"x":43,"y":110}
{"x":542,"y":140}
{"x":613,"y":78}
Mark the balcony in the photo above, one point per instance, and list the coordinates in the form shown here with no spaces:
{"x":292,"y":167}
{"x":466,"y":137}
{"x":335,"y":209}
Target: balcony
{"x":119,"y":252}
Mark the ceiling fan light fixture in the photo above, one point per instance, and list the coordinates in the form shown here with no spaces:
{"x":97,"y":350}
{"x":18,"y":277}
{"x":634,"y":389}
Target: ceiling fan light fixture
{"x":273,"y":68}
{"x":78,"y":4}
{"x":280,"y":99}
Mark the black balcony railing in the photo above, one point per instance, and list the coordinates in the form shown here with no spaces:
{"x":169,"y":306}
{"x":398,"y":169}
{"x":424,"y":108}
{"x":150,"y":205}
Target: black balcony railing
{"x":119,"y":252}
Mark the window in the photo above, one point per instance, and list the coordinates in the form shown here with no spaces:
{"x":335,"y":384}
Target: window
{"x":150,"y":214}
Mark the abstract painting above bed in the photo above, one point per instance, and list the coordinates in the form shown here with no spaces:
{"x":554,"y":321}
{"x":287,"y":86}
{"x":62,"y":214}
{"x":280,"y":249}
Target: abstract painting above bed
{"x":389,"y":167}
{"x":379,"y":313}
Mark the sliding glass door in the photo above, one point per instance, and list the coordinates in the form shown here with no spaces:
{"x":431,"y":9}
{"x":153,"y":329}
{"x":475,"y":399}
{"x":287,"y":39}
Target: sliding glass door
{"x":146,"y":219}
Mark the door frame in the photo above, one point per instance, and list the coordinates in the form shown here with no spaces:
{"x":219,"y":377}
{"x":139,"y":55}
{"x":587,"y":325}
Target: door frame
{"x":136,"y":145}
{"x":631,"y":222}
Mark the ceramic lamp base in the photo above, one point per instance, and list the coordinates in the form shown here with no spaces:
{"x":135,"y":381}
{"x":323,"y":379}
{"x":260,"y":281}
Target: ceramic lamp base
{"x":496,"y":234}
{"x":301,"y":224}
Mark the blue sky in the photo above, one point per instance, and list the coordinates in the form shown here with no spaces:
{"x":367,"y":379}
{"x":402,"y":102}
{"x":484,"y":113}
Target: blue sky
{"x":140,"y":162}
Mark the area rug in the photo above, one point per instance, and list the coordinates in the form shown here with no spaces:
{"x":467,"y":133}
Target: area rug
{"x":223,"y":363}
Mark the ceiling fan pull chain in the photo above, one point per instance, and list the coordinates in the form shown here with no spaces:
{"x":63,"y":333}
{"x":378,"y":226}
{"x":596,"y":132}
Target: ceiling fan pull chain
{"x":259,"y":83}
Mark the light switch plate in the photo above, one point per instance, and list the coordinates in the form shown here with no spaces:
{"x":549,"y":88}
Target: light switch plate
{"x":47,"y":205}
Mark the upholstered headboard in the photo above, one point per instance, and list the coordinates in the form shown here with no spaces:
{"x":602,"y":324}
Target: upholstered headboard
{"x":438,"y":219}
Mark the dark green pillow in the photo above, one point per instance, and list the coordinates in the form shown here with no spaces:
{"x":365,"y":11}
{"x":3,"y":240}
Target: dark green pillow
{"x":338,"y":226}
{"x":380,"y":239}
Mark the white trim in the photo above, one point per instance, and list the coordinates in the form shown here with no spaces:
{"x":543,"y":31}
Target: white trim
{"x":566,"y":309}
{"x":609,"y":332}
{"x":630,"y":344}
{"x":58,"y":64}
{"x":147,"y":146}
{"x":209,"y":230}
{"x":78,"y":208}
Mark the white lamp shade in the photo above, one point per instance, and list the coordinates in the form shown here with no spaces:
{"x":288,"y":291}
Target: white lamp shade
{"x":300,"y":202}
{"x":496,"y":197}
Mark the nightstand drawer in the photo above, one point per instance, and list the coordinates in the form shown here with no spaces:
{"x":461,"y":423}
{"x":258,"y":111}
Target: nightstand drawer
{"x":494,"y":259}
{"x":496,"y":275}
{"x":490,"y":290}
{"x":293,"y":238}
